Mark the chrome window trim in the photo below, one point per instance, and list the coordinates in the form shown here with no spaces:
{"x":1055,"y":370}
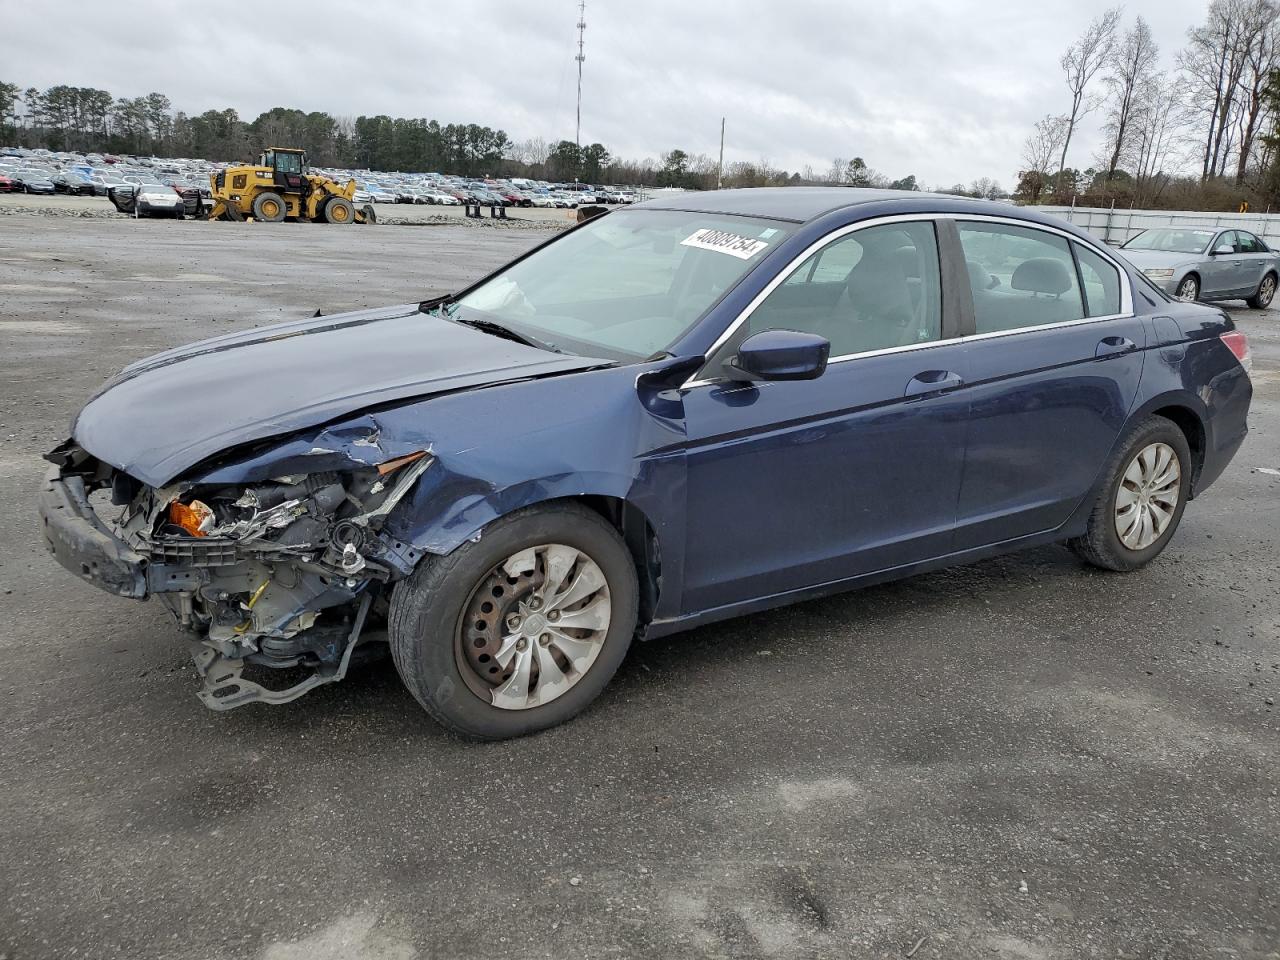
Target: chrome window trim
{"x":1126,"y":287}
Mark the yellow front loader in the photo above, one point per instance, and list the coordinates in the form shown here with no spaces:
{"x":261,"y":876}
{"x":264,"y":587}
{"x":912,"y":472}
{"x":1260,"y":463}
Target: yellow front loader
{"x":281,"y":187}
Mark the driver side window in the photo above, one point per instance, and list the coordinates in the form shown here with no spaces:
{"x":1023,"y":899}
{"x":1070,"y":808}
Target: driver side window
{"x":870,"y":290}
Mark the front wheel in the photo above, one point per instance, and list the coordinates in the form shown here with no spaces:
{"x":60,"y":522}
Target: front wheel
{"x":521,"y":629}
{"x":1141,"y":503}
{"x":269,"y":207}
{"x":1189,"y":288}
{"x":338,"y":210}
{"x":1266,"y":293}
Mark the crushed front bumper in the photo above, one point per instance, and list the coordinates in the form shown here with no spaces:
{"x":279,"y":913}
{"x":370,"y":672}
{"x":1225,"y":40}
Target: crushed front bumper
{"x":82,"y":543}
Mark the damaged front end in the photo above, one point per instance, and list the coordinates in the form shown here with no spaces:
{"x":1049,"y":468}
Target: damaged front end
{"x":282,"y":573}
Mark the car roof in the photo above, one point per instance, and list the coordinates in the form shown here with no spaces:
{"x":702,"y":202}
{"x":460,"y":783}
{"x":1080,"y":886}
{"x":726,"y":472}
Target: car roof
{"x":802,"y":204}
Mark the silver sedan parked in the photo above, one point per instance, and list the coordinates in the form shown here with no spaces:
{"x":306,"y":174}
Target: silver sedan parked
{"x":1202,"y":263}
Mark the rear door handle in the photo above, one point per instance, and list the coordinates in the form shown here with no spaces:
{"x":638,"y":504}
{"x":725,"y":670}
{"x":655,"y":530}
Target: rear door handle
{"x":1114,"y":346}
{"x":931,"y":382}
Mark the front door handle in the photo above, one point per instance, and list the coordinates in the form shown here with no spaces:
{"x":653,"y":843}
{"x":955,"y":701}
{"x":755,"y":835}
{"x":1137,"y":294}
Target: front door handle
{"x":1114,"y":346}
{"x":931,"y":382}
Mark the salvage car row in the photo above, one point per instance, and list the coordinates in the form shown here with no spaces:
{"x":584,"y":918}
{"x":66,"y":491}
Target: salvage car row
{"x":45,"y":172}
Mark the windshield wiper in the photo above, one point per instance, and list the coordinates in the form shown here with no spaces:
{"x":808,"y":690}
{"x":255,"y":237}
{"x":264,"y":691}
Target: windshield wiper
{"x":499,"y":330}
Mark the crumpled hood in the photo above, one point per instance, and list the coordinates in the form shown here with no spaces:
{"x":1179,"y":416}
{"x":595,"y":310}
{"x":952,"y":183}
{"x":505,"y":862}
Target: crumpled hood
{"x":161,"y":416}
{"x":1157,"y":259}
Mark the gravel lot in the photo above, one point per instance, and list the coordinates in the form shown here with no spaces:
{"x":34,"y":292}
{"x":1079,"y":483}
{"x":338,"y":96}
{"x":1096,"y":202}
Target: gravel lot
{"x":1020,"y":759}
{"x":22,"y":204}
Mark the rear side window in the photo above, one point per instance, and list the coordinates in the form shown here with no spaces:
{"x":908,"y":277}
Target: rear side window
{"x":1248,"y":243}
{"x":1101,"y":283}
{"x":1020,"y":277}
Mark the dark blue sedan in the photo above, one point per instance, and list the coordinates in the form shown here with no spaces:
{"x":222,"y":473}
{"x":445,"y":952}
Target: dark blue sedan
{"x":692,"y":409}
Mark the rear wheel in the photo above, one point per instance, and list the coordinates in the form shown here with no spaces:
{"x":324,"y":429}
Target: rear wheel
{"x":1141,"y":504}
{"x":339,"y":210}
{"x":269,"y":207}
{"x":521,"y":629}
{"x":1266,"y":293}
{"x":1189,"y":288}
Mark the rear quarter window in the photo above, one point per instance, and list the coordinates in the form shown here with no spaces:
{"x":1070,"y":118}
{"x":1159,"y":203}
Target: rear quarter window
{"x":1101,"y":283}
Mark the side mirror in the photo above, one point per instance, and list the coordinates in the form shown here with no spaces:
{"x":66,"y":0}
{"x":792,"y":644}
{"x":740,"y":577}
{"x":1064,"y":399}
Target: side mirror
{"x":1223,"y":250}
{"x":779,"y":355}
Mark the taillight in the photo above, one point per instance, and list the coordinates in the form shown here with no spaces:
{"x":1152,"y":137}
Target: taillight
{"x":1238,"y":344}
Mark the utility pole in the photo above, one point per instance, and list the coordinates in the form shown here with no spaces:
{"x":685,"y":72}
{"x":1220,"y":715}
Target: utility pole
{"x":582,"y":25}
{"x":720,"y":165}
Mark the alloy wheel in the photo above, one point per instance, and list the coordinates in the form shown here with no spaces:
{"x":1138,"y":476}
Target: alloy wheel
{"x":534,"y":626}
{"x":1147,"y":497}
{"x":1188,"y":289}
{"x":1267,"y":291}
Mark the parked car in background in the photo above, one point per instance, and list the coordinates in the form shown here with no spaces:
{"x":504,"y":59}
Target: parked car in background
{"x":1207,"y":263}
{"x":34,"y":181}
{"x":439,"y":197}
{"x":382,"y":195}
{"x":103,"y":182}
{"x":361,"y":196}
{"x":843,"y":386}
{"x":73,"y":184}
{"x":148,"y":200}
{"x":192,"y":197}
{"x":8,"y":184}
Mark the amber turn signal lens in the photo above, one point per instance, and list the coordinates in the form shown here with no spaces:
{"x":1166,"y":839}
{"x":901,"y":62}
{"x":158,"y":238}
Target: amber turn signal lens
{"x":190,"y":518}
{"x":393,"y":465}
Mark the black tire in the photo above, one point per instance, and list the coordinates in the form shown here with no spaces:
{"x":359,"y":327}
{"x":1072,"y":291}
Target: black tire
{"x":269,"y":207}
{"x":339,"y":210}
{"x":1188,"y":288}
{"x":1101,"y":545}
{"x":428,"y":607}
{"x":1265,"y":294}
{"x":178,"y":215}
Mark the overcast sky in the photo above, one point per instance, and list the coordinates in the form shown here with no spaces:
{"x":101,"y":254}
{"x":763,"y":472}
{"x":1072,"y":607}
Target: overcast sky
{"x":947,"y":90}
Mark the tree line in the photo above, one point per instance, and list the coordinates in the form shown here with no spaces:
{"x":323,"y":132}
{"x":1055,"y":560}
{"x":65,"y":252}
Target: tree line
{"x":89,"y":120}
{"x":1203,"y":134}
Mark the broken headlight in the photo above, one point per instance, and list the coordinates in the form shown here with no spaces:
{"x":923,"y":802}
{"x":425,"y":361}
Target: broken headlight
{"x":328,"y":518}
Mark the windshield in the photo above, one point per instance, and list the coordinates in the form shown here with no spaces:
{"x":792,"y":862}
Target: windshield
{"x":624,"y":286}
{"x":1172,"y":241}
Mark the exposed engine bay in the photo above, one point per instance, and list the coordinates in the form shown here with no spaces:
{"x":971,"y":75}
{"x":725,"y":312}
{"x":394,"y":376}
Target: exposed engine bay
{"x":285,"y":573}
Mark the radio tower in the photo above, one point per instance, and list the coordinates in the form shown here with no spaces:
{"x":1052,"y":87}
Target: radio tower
{"x":582,"y":25}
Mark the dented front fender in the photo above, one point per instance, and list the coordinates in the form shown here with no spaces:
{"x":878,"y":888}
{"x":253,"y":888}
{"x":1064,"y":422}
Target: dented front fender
{"x":495,"y":450}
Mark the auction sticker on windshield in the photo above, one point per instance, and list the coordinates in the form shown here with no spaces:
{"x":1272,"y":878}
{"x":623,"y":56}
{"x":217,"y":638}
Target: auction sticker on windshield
{"x":721,"y":241}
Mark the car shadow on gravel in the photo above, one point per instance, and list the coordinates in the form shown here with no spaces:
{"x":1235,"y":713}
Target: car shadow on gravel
{"x":873,"y":621}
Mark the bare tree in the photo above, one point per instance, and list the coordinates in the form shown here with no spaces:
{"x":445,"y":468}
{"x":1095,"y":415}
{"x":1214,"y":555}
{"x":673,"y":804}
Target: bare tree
{"x":984,"y":188}
{"x":1261,"y":59}
{"x":1081,"y":63}
{"x":1159,"y":120}
{"x":1214,"y":61}
{"x":1131,"y":64}
{"x":1045,"y":142}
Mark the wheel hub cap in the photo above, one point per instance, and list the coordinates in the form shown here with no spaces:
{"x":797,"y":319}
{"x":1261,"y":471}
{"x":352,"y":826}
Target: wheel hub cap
{"x":534,"y":626}
{"x":1147,"y":496}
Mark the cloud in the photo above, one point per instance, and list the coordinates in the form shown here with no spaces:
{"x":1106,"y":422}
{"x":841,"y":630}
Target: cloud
{"x":944,"y":89}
